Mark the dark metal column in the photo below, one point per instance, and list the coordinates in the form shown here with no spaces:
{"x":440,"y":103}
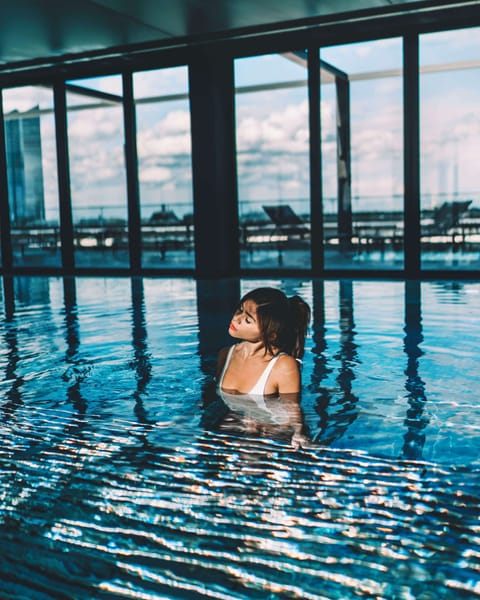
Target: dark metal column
{"x":216,"y":224}
{"x":63,"y":170}
{"x":6,"y":242}
{"x":344,"y":163}
{"x":316,"y":193}
{"x":131,"y":162}
{"x":411,"y":158}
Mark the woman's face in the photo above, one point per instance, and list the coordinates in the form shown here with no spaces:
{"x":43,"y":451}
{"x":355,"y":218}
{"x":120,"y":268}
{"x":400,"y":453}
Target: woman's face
{"x":244,"y":324}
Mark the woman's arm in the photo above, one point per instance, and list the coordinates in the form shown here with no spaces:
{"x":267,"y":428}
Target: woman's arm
{"x":289,"y":389}
{"x":291,"y":403}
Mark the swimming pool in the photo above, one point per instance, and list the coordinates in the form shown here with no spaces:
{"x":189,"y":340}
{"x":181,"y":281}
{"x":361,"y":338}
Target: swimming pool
{"x":119,"y":481}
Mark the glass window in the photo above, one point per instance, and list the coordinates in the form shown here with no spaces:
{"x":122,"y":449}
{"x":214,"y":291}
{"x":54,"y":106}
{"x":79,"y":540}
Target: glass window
{"x":362,"y":155}
{"x":450,"y":137}
{"x":97,"y":172}
{"x":165,"y":167}
{"x":32,"y":176}
{"x":272,"y":133}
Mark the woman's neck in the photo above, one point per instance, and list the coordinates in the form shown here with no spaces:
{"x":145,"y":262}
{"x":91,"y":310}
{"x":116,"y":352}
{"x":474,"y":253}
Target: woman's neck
{"x":253,"y":349}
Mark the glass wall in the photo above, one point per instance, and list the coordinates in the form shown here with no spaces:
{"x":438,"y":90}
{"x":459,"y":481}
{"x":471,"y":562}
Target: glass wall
{"x":361,"y":144}
{"x":450,"y":138}
{"x":164,"y":167}
{"x":32,"y":176}
{"x":362,"y":155}
{"x":97,"y":172}
{"x":272,"y":132}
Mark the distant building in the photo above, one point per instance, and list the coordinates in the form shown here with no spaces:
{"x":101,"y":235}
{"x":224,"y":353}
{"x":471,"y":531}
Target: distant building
{"x":24,"y":169}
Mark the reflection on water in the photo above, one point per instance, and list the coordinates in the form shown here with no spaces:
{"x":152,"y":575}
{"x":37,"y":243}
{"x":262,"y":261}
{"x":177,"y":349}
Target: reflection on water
{"x":415,"y":421}
{"x":75,"y":371}
{"x":12,"y":394}
{"x":336,"y":408}
{"x":117,"y":480}
{"x":141,"y":362}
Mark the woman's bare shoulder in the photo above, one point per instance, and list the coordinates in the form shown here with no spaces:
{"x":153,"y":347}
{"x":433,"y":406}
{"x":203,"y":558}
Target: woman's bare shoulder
{"x":287,"y":375}
{"x":287,"y":362}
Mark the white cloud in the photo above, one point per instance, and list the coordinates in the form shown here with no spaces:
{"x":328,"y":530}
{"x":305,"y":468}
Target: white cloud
{"x":160,"y":82}
{"x":25,"y":98}
{"x":150,"y":145}
{"x":176,"y":122}
{"x":169,"y":136}
{"x":154,"y":174}
{"x":283,"y":130}
{"x":95,"y":124}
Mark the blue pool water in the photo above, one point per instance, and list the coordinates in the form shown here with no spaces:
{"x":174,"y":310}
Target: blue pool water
{"x":118,"y":479}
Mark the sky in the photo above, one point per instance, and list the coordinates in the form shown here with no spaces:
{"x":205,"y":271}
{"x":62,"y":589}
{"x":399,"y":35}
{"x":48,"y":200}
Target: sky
{"x":272,"y":132}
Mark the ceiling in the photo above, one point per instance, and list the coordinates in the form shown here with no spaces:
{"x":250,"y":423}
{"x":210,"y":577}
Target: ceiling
{"x":44,"y":31}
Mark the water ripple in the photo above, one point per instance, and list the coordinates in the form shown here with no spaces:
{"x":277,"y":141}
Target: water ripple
{"x":113,"y":485}
{"x":227,"y":517}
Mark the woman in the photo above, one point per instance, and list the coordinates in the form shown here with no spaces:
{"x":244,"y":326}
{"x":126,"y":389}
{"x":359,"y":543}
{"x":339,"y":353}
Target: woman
{"x":259,"y":376}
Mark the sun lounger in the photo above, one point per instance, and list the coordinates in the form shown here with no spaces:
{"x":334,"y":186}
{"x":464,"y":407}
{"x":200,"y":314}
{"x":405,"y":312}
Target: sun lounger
{"x":286,"y":221}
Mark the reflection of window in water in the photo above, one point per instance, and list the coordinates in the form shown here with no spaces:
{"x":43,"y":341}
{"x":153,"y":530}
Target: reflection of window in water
{"x":415,"y":420}
{"x":13,"y":395}
{"x":337,"y":405}
{"x":75,"y":371}
{"x":450,"y":291}
{"x":142,"y":360}
{"x":336,"y":414}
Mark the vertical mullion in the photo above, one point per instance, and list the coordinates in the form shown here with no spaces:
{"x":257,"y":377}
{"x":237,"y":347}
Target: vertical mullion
{"x":316,"y":198}
{"x":5,"y":225}
{"x":411,"y":111}
{"x":215,"y":198}
{"x":131,"y":163}
{"x":344,"y":168}
{"x":63,"y":172}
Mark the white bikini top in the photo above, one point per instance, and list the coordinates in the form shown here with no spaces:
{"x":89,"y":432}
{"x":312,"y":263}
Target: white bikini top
{"x":259,"y":387}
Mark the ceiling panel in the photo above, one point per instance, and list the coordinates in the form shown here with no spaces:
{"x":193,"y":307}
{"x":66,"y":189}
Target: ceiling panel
{"x":194,"y":17}
{"x":42,"y":30}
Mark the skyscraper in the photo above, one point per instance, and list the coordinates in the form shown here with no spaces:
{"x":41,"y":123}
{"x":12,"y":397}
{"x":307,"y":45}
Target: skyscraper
{"x":24,"y":168}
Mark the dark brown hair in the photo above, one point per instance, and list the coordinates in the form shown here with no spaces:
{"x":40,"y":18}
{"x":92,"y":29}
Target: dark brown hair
{"x":283,"y":321}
